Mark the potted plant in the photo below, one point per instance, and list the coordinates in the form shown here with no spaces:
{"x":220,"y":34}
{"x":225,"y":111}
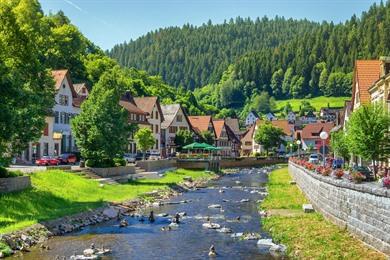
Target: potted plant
{"x":338,"y":173}
{"x":357,"y":177}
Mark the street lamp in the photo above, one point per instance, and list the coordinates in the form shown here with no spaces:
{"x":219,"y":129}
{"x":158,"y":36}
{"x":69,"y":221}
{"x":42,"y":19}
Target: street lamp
{"x":291,"y":148}
{"x":299,"y":146}
{"x":323,"y":135}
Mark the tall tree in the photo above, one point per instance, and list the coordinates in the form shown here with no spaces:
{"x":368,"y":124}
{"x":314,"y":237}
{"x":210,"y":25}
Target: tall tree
{"x":269,"y":136}
{"x":144,"y":139}
{"x":101,"y":129}
{"x":368,"y":133}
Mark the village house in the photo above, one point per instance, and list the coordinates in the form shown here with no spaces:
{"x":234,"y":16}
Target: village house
{"x":226,"y":140}
{"x":175,"y":119}
{"x":247,"y":141}
{"x":251,"y":118}
{"x":291,"y":117}
{"x":288,"y":130}
{"x":57,"y":135}
{"x":134,"y":116}
{"x":380,"y":90}
{"x":310,"y":136}
{"x":308,"y":118}
{"x":234,"y":125}
{"x":201,"y":124}
{"x":151,"y":106}
{"x":270,"y":116}
{"x":329,"y":114}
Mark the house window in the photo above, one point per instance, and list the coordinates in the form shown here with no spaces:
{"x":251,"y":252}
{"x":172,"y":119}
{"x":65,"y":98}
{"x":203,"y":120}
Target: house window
{"x":45,"y":149}
{"x":248,"y":143}
{"x":56,"y":117}
{"x":46,"y":130}
{"x":64,"y":100}
{"x":179,"y":118}
{"x":172,"y":129}
{"x":156,"y":114}
{"x":156,"y":129}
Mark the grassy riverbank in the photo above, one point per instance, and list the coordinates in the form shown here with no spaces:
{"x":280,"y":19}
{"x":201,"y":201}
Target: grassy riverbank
{"x":57,"y":193}
{"x":308,"y":236}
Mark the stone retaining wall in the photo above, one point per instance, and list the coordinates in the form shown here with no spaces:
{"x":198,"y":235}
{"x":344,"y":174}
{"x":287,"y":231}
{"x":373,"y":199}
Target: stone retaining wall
{"x":114,"y":171}
{"x":157,"y":165}
{"x":14,"y":184}
{"x":364,"y":209}
{"x":246,"y":162}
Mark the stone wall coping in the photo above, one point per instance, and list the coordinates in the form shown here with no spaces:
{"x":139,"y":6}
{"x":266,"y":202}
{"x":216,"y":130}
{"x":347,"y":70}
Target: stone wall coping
{"x":371,"y":188}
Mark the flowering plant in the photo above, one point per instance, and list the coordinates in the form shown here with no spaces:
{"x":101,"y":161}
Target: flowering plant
{"x":357,"y":177}
{"x":319,"y":169}
{"x":386,"y":182}
{"x":326,"y":171}
{"x":338,"y":173}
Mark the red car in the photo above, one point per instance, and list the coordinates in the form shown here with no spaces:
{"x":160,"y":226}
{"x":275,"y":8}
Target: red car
{"x":47,"y":160}
{"x":67,"y":158}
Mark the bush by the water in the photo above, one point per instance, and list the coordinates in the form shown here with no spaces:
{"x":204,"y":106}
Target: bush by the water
{"x":5,"y":249}
{"x":4,"y":173}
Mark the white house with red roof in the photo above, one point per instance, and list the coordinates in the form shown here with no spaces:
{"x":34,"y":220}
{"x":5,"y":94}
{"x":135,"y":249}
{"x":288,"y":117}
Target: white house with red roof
{"x":57,"y":136}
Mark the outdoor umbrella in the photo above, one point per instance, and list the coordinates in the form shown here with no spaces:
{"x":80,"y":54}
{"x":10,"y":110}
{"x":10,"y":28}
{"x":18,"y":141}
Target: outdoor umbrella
{"x":194,"y":146}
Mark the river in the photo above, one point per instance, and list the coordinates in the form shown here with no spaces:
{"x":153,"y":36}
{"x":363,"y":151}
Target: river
{"x":145,"y":240}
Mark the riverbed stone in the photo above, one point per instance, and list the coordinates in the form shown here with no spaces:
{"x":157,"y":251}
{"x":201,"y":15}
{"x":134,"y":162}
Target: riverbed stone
{"x":278,"y":251}
{"x":265,"y":244}
{"x":110,"y":212}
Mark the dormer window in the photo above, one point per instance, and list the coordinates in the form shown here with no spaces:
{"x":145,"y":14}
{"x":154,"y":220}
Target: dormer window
{"x":63,"y":86}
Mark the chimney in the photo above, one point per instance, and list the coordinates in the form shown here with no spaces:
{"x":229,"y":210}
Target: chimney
{"x":385,"y":65}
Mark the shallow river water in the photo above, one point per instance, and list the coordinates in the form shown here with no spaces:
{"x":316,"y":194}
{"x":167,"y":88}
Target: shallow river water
{"x":190,"y":240}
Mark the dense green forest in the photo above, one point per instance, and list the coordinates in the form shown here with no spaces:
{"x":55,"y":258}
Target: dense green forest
{"x":283,"y":57}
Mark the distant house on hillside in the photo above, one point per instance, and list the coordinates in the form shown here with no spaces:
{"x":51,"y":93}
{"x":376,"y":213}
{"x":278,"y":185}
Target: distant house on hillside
{"x":81,"y":89}
{"x":309,"y":118}
{"x":330,"y":114}
{"x":152,"y":107}
{"x":251,"y":118}
{"x":291,"y":117}
{"x":175,"y":119}
{"x":270,"y":116}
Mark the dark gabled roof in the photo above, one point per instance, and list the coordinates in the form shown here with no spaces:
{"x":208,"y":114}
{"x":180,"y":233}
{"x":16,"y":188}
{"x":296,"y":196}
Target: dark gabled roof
{"x":234,"y":124}
{"x":59,"y":76}
{"x":254,"y":113}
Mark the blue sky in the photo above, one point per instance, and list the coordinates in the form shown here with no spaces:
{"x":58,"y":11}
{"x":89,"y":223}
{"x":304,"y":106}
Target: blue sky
{"x":108,"y":22}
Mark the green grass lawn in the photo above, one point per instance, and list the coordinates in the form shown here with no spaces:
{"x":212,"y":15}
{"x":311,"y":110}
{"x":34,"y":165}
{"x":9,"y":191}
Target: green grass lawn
{"x":57,"y":193}
{"x":308,"y":236}
{"x":316,"y":102}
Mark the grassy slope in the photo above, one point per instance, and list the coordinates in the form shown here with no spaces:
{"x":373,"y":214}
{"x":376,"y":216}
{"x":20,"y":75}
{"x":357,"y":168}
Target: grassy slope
{"x":57,"y":193}
{"x":317,"y":102}
{"x":308,"y":236}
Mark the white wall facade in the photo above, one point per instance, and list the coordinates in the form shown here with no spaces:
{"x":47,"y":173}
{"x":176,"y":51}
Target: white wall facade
{"x":250,"y":119}
{"x":179,"y":123}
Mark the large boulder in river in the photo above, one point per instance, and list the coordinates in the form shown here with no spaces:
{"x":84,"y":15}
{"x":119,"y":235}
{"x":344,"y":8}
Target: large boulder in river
{"x":111,"y":212}
{"x":278,"y":251}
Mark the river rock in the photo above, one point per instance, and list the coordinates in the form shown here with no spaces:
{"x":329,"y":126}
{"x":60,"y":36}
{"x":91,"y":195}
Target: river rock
{"x":278,"y":251}
{"x":237,"y":235}
{"x":110,"y":212}
{"x":182,"y":214}
{"x":173,"y":225}
{"x":211,"y":225}
{"x":88,"y":252}
{"x":265,"y":244}
{"x":251,"y":236}
{"x":244,"y":200}
{"x":214,"y":206}
{"x":225,"y":230}
{"x":163,"y":215}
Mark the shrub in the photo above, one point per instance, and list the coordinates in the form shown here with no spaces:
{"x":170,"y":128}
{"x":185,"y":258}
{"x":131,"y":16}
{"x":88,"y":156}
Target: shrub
{"x":90,"y":163}
{"x":256,"y":154}
{"x":5,"y":249}
{"x":338,"y":173}
{"x":119,"y":162}
{"x":357,"y":177}
{"x":3,"y":172}
{"x":319,"y":169}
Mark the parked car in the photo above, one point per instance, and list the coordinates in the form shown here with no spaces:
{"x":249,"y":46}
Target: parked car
{"x":365,"y":171}
{"x":140,"y":156}
{"x":314,"y":158}
{"x":47,"y":161}
{"x":130,"y":158}
{"x":337,"y":163}
{"x":67,"y":158}
{"x":154,"y":156}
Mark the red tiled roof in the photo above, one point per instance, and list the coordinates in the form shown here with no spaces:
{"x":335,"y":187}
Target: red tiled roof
{"x":130,"y":107}
{"x":218,"y":126}
{"x":200,"y":123}
{"x":59,"y":76}
{"x":282,"y":124}
{"x":249,"y":134}
{"x":146,"y":104}
{"x":366,"y":73}
{"x":312,"y":131}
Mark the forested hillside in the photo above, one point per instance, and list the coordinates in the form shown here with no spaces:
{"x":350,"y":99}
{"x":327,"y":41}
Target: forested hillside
{"x":282,"y":57}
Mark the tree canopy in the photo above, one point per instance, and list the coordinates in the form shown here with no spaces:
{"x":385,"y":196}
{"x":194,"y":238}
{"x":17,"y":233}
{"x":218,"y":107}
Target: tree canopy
{"x":269,"y":136}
